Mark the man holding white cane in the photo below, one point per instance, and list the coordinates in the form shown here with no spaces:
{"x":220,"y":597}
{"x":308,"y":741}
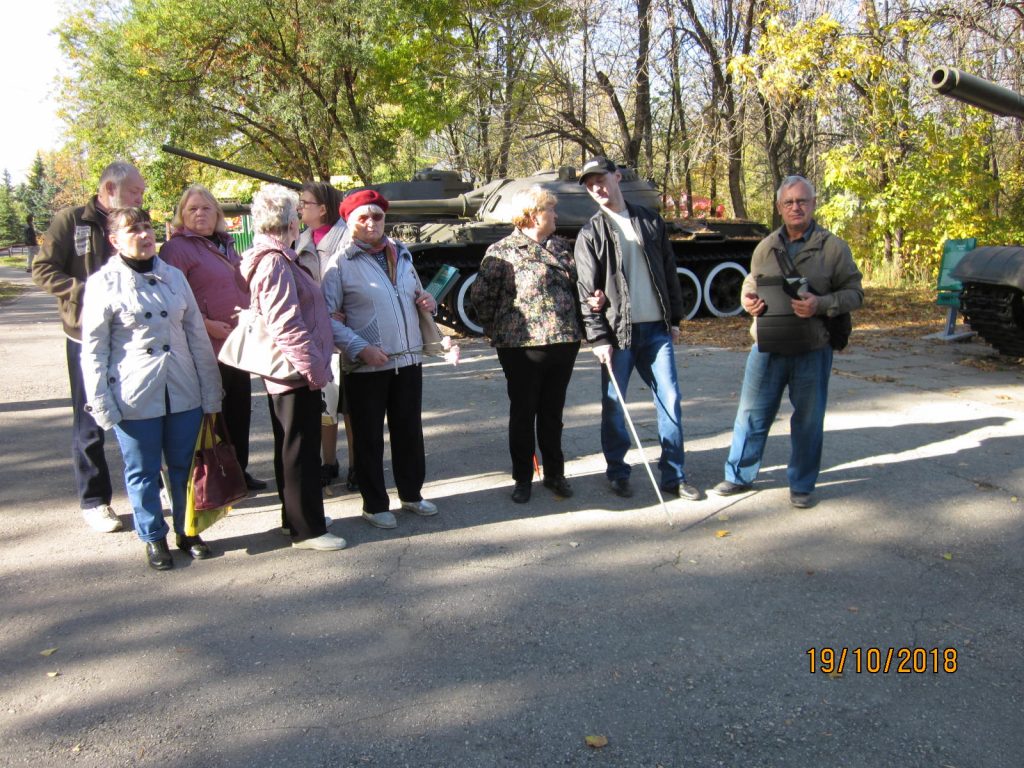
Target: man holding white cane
{"x":624,"y":253}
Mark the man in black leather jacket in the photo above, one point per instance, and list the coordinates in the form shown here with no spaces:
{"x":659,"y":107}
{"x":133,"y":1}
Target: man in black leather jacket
{"x":624,"y":253}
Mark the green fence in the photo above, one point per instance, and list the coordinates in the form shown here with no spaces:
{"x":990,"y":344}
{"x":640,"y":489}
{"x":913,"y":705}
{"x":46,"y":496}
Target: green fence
{"x":243,"y":239}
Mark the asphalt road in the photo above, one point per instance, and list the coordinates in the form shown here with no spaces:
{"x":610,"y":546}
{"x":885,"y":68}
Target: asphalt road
{"x":504,"y":635}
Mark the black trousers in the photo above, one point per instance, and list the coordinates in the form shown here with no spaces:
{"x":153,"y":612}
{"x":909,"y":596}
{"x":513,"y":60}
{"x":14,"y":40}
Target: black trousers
{"x":396,"y":395}
{"x":295,"y":419}
{"x":537,"y":379}
{"x":92,"y":476}
{"x":237,"y":409}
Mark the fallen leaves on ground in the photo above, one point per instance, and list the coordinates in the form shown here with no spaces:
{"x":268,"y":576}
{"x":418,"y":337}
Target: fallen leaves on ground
{"x":596,"y":742}
{"x":48,"y":652}
{"x":722,"y":534}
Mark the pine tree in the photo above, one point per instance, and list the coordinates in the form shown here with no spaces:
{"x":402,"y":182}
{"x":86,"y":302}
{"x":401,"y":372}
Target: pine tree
{"x":37,"y":194}
{"x":11,"y":229}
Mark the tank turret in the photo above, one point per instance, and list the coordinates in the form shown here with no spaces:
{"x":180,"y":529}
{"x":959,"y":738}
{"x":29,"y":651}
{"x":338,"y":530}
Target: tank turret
{"x":992,"y":298}
{"x":444,"y":220}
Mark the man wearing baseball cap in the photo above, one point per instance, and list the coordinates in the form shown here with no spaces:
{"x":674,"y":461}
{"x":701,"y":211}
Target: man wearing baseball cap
{"x":624,"y":252}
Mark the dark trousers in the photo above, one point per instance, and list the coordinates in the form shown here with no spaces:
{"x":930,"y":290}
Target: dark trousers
{"x":92,"y":477}
{"x":398,"y":396}
{"x":295,"y":419}
{"x":237,"y":409}
{"x":537,"y":379}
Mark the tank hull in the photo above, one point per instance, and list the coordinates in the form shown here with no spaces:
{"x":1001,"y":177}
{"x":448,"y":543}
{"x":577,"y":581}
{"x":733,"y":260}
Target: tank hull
{"x":992,"y":299}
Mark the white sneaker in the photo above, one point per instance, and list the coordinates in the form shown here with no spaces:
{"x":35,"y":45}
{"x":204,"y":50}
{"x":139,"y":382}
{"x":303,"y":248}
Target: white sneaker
{"x":285,"y":532}
{"x":381,"y":519}
{"x":423,"y":508}
{"x":326,"y":543}
{"x":102,"y":519}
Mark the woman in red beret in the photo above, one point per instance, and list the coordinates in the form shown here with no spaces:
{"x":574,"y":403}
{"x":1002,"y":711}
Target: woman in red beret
{"x":373,"y":284}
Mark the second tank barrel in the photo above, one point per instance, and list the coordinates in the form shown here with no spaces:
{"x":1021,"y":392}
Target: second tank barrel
{"x":978,"y":92}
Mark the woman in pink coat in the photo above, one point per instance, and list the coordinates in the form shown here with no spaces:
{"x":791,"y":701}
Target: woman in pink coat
{"x":289,"y":300}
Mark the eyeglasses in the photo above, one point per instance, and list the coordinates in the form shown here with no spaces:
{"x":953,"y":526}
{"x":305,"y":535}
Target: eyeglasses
{"x":801,"y":202}
{"x":365,"y":217}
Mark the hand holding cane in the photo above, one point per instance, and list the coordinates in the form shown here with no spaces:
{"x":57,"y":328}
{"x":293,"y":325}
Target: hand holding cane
{"x":636,"y":438}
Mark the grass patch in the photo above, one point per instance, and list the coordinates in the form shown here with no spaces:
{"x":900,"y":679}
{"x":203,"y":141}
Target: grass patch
{"x":17,"y":260}
{"x":9,"y":290}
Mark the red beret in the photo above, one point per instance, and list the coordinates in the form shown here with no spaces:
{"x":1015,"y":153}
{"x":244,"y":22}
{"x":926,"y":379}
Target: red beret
{"x":361,"y":198}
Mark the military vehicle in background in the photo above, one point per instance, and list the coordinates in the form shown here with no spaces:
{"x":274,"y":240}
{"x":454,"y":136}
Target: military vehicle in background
{"x":992,"y":299}
{"x":444,"y":220}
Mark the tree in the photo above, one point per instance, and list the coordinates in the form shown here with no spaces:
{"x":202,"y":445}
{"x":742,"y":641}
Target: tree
{"x":11,"y":219}
{"x":37,"y":194}
{"x":302,"y":89}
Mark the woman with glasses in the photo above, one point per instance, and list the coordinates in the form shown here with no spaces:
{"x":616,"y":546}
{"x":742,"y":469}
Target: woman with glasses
{"x":323,"y":235}
{"x":202,"y":249}
{"x":373,"y":283}
{"x":150,"y":374}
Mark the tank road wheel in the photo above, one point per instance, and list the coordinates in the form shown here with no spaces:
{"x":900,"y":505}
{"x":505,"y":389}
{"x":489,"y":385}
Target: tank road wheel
{"x":722,"y":289}
{"x":464,"y":307}
{"x":690,"y":285}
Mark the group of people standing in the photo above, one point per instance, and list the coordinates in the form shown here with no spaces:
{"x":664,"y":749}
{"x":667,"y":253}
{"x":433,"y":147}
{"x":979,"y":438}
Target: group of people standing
{"x":144,"y":331}
{"x":619,"y":291}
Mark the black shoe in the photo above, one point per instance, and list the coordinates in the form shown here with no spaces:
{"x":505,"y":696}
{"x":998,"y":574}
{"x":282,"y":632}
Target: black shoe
{"x":521,"y":494}
{"x":351,"y":483}
{"x":254,"y":483}
{"x":559,"y":485}
{"x":801,"y":500}
{"x":725,"y":488}
{"x":328,"y":473}
{"x":683,"y":491}
{"x":158,"y":555}
{"x":194,"y":546}
{"x":620,"y":487}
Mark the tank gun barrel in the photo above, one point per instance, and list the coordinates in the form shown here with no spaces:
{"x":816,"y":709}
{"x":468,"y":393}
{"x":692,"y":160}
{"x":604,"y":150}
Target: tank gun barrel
{"x":978,"y":92}
{"x":172,"y":150}
{"x":461,"y":206}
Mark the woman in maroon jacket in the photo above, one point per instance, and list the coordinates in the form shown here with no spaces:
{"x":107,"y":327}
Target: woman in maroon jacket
{"x":201,"y":247}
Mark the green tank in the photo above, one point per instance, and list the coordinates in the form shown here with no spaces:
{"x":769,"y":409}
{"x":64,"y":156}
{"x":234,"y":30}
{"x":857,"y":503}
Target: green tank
{"x":444,"y":220}
{"x":712,"y":256}
{"x":992,"y":299}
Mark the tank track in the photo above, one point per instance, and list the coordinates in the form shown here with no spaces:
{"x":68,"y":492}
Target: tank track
{"x":996,"y":312}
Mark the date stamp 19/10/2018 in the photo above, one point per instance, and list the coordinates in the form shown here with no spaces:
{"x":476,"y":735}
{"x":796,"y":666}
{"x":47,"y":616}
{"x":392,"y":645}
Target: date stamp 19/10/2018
{"x":875,"y":660}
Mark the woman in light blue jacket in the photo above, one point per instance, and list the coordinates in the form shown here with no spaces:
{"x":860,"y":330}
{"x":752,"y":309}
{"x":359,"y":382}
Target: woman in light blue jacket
{"x":374,"y":286}
{"x":150,"y":374}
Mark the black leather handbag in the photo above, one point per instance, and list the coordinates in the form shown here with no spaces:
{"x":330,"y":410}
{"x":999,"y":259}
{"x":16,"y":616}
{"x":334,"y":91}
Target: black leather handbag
{"x":839,"y":326}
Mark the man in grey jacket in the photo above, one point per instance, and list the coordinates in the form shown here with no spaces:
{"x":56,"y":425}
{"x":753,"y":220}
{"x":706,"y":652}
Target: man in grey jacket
{"x":833,"y":287}
{"x":77,"y":245}
{"x":624,"y":253}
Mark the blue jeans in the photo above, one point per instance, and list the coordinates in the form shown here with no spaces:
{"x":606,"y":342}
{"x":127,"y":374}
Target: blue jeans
{"x":650,"y":352}
{"x":765,"y":378}
{"x":142,"y":443}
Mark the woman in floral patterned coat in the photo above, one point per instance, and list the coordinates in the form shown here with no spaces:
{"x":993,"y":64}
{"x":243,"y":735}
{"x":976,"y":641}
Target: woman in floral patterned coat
{"x":525,"y":298}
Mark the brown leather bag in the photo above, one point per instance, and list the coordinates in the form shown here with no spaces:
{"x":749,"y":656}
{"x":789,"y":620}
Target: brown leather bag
{"x":217,"y":478}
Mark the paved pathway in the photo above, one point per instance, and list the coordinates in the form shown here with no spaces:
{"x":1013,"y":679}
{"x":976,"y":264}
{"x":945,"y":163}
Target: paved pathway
{"x":503,"y":635}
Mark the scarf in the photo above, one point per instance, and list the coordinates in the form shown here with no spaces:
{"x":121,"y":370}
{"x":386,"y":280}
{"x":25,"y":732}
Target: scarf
{"x":385,"y":254}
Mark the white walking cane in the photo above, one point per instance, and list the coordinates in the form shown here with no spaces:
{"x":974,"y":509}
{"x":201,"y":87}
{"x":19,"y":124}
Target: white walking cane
{"x":636,"y":438}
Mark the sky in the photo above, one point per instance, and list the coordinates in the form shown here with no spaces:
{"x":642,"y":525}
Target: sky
{"x":30,"y":61}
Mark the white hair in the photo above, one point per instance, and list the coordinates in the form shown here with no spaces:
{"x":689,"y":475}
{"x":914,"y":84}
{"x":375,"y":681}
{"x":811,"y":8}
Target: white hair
{"x":792,"y":181}
{"x":117,"y":172}
{"x":274,"y":208}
